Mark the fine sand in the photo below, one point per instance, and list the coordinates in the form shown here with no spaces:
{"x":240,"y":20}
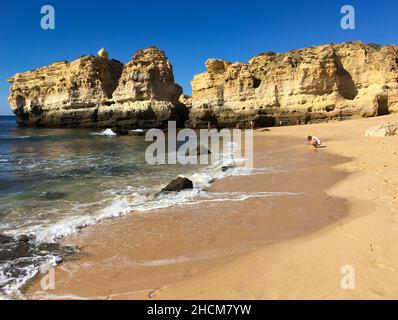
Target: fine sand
{"x":341,"y":210}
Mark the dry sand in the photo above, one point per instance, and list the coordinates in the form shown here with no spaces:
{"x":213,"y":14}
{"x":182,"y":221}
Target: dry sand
{"x":280,"y":247}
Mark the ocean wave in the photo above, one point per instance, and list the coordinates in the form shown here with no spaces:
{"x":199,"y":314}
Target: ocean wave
{"x":106,"y":133}
{"x":147,"y":199}
{"x":16,"y":273}
{"x":136,"y":200}
{"x":24,"y":137}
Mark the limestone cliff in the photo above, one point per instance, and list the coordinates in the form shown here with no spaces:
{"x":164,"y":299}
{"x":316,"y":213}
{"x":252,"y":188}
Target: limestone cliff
{"x":98,"y":92}
{"x":329,"y":82}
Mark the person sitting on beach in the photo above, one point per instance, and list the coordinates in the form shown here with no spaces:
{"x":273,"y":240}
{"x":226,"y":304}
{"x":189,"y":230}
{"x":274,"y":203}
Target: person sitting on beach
{"x":314,"y":141}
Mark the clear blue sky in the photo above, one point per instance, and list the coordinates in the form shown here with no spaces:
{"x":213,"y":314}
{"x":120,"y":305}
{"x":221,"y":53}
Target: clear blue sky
{"x":189,"y":31}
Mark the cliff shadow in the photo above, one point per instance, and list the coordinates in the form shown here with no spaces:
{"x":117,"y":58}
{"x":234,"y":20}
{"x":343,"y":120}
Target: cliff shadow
{"x":345,"y":84}
{"x":382,"y":106}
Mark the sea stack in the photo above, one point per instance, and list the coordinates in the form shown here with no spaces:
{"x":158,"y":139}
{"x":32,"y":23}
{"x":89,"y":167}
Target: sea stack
{"x":94,"y":91}
{"x":316,"y":84}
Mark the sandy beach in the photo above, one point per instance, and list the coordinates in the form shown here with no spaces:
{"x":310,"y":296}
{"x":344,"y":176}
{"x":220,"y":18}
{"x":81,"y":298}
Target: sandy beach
{"x":332,"y":207}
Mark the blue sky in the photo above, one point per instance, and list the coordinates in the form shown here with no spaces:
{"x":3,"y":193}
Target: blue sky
{"x":190,"y":32}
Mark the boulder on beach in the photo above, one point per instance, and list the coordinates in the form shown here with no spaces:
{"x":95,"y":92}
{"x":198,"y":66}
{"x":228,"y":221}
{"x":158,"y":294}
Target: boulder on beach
{"x":178,"y":185}
{"x":383,"y":130}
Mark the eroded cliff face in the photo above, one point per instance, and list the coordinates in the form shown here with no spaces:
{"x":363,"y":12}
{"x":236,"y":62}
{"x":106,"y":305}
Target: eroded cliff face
{"x":98,"y":92}
{"x":330,"y":82}
{"x":147,"y":94}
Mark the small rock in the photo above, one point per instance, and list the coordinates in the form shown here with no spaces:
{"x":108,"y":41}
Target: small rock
{"x":383,"y":130}
{"x":53,"y":195}
{"x":200,"y":151}
{"x":5,"y":239}
{"x":23,"y":238}
{"x":120,"y":132}
{"x":14,"y":250}
{"x":226,"y":168}
{"x":178,"y":185}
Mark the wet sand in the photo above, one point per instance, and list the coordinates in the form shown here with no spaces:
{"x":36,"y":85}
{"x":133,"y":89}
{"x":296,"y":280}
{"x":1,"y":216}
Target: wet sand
{"x":343,"y":212}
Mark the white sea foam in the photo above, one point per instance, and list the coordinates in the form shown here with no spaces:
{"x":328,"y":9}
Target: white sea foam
{"x":11,"y":286}
{"x":106,"y":133}
{"x":144,"y":202}
{"x":138,"y":201}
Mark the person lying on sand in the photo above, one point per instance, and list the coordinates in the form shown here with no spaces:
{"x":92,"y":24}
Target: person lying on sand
{"x":314,"y":141}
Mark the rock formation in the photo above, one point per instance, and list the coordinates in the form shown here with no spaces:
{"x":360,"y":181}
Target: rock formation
{"x":103,"y":54}
{"x":383,"y":130}
{"x":147,"y":95}
{"x":178,"y":184}
{"x":186,"y":100}
{"x":98,"y":92}
{"x":329,"y":82}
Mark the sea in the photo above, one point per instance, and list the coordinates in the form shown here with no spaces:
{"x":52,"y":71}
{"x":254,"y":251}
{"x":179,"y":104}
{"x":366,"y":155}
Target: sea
{"x":53,"y":182}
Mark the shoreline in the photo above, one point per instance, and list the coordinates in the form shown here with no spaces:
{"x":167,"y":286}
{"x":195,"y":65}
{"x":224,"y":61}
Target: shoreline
{"x":310,"y":267}
{"x":248,"y":267}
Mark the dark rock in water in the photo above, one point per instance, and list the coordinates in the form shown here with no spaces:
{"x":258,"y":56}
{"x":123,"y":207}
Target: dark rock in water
{"x":5,"y":239}
{"x":226,"y":168}
{"x":14,"y":250}
{"x":24,"y":246}
{"x":23,"y":238}
{"x":200,"y":151}
{"x":120,"y":132}
{"x":20,"y":255}
{"x":178,"y":185}
{"x":53,"y":195}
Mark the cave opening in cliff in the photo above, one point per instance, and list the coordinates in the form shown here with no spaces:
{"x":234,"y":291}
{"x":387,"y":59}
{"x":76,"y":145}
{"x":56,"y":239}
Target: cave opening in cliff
{"x":21,"y":101}
{"x":382,"y":106}
{"x":256,"y":83}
